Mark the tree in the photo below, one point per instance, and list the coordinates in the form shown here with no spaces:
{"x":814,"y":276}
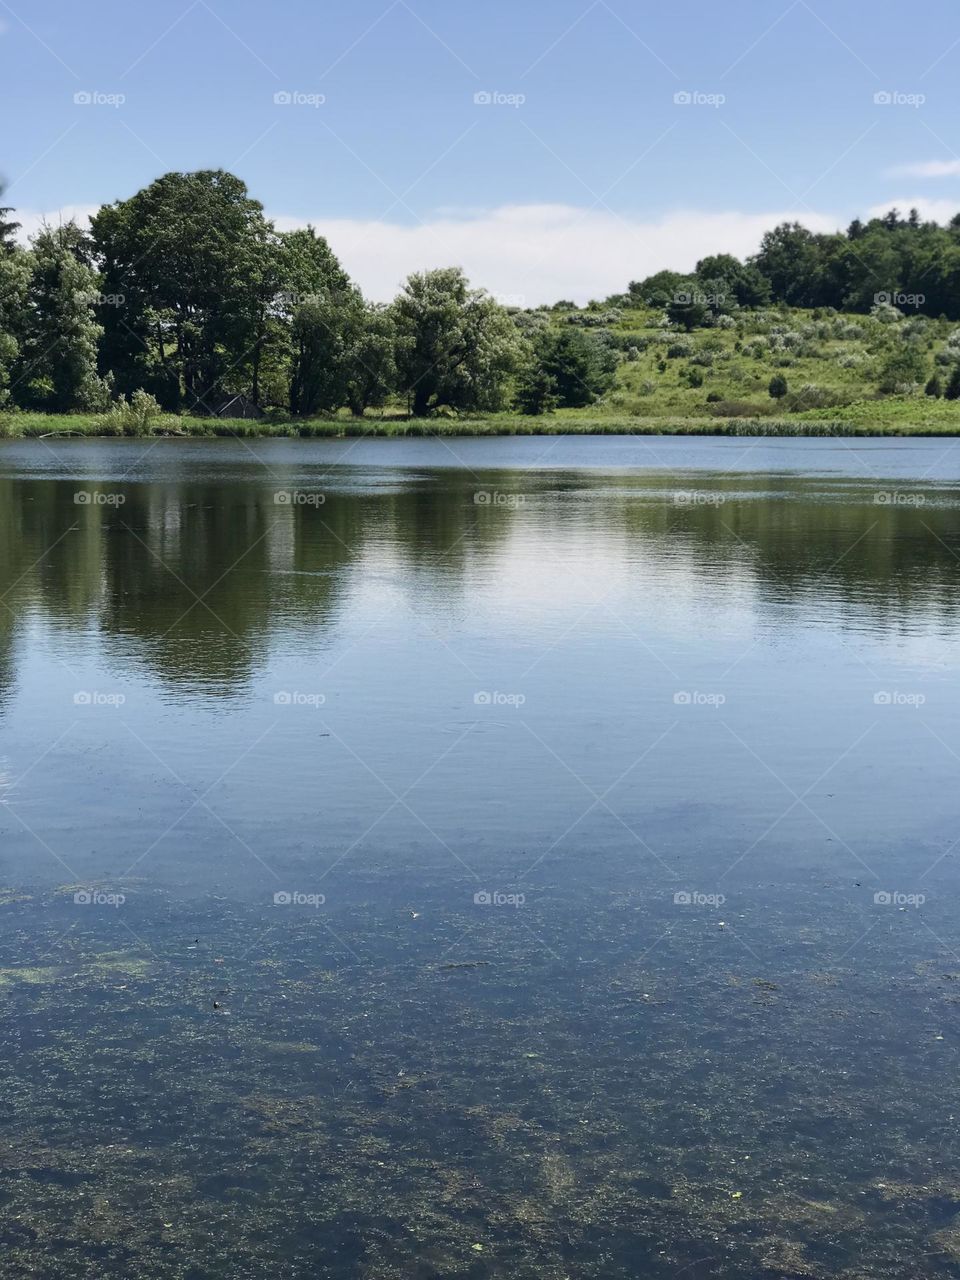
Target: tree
{"x":14,"y":284}
{"x":8,"y":228}
{"x":952,"y":390}
{"x":747,"y":286}
{"x":580,"y":364}
{"x":371,"y":360}
{"x":934,"y":388}
{"x":536,"y":390}
{"x":778,"y":386}
{"x":58,"y":360}
{"x":688,"y":307}
{"x":455,"y":345}
{"x":191,"y":255}
{"x":321,"y":339}
{"x":902,"y":370}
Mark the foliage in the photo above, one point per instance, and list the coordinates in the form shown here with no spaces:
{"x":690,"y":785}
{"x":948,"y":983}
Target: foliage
{"x":57,"y":363}
{"x":455,"y":345}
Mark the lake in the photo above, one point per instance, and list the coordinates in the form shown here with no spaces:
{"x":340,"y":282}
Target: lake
{"x":526,"y":858}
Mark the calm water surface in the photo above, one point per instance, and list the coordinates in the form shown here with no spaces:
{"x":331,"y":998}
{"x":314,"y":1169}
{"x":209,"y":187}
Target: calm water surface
{"x":526,"y":858}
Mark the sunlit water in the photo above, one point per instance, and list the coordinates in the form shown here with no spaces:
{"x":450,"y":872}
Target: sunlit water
{"x":497,"y":858}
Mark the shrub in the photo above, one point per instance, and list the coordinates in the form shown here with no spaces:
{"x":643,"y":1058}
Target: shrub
{"x":136,"y":417}
{"x":778,"y":387}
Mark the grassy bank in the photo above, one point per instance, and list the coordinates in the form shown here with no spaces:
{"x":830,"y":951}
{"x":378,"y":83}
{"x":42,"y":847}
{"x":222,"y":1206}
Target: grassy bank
{"x":714,"y":381}
{"x":868,"y":418}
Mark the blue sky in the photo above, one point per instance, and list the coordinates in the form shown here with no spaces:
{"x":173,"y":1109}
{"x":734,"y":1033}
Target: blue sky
{"x":585,"y":158}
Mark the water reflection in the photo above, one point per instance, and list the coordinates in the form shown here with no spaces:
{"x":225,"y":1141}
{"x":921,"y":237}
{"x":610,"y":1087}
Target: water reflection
{"x":195,"y":577}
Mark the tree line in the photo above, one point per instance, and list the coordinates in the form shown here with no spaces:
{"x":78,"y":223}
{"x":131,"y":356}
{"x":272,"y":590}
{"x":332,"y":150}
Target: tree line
{"x":893,"y":260}
{"x":187,"y":293}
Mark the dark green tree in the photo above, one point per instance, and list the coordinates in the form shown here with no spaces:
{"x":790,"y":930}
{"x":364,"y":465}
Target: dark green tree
{"x":456,"y":346}
{"x":191,"y":254}
{"x":58,"y":358}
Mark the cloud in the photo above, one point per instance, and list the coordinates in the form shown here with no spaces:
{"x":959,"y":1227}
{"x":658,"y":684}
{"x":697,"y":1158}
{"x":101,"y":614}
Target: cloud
{"x":930,"y":210}
{"x":543,"y":252}
{"x":525,"y":254}
{"x":31,"y":220}
{"x":928,"y":169}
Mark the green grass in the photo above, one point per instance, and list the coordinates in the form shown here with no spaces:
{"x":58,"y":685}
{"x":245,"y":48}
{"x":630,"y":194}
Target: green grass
{"x":864,"y":418}
{"x":710,"y":382}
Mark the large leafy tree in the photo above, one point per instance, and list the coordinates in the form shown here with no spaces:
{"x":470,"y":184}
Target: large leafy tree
{"x":57,"y":363}
{"x":193,"y":258}
{"x":456,"y":346}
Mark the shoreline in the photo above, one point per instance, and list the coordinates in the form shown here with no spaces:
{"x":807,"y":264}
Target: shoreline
{"x":35,"y":427}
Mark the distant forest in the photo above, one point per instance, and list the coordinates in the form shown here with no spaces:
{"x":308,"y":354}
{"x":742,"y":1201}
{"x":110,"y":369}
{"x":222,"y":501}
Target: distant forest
{"x":187,"y":295}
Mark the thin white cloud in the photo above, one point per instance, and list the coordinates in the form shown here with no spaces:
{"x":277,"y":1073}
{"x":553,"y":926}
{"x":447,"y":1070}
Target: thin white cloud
{"x":929,"y":210}
{"x":31,"y":220}
{"x":928,"y":169}
{"x":525,"y":254}
{"x":540,"y":253}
